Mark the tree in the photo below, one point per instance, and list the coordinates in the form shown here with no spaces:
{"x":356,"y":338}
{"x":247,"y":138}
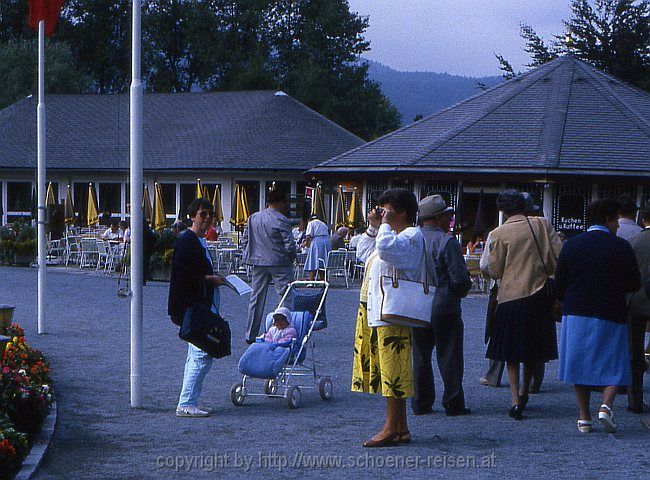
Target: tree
{"x":613,"y":35}
{"x":19,"y":64}
{"x":98,"y":32}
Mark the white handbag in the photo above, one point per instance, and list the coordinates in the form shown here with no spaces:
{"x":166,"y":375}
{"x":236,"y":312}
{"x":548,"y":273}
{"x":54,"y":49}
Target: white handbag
{"x":406,"y":302}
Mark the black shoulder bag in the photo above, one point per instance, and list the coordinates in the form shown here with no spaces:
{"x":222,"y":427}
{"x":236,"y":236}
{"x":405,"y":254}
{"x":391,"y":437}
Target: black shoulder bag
{"x":549,"y":288}
{"x":206,"y":330}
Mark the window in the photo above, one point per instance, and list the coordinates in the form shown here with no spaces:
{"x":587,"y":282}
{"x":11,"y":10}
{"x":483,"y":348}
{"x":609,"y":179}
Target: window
{"x":80,"y":200}
{"x":19,"y":196}
{"x":375,"y":189}
{"x":169,"y":198}
{"x":284,"y":186}
{"x":110,"y":195}
{"x":446,"y":190}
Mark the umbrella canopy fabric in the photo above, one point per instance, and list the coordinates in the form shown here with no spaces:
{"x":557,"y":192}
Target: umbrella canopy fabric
{"x":458,"y":217}
{"x":159,"y":217}
{"x":216,"y":204}
{"x":68,"y":209}
{"x":240,"y":208}
{"x":146,"y":205}
{"x":355,"y":219}
{"x":340,"y":218}
{"x":92,"y":216}
{"x":49,"y":197}
{"x":318,"y":205}
{"x":200,"y":192}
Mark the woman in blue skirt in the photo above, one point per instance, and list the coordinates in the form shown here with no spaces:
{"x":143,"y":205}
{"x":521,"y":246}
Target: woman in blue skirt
{"x":317,"y":238}
{"x":594,"y":272}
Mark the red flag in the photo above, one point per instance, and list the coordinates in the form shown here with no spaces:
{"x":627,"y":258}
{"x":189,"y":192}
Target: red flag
{"x":48,"y":10}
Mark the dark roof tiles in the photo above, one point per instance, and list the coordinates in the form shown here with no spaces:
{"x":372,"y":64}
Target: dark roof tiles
{"x":257,"y":130}
{"x":564,"y":115}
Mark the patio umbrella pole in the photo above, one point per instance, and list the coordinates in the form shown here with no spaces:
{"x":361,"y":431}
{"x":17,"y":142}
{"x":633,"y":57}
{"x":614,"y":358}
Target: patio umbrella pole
{"x":41,"y":177}
{"x":136,"y":212}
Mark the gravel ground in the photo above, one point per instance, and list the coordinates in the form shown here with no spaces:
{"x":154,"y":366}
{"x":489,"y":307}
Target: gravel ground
{"x":99,"y":436}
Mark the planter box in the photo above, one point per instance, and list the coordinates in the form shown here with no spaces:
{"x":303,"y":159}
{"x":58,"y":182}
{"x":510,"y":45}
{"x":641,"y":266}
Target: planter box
{"x":24,"y":259}
{"x":6,"y":315}
{"x":161,"y":274}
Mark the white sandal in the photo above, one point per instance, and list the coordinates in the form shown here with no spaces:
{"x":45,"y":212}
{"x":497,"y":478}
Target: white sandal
{"x":584,"y":426}
{"x":606,"y":417}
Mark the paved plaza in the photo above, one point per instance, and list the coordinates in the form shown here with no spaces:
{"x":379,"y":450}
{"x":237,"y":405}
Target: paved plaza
{"x":98,"y":435}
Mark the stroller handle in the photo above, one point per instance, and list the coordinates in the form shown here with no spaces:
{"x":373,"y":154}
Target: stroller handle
{"x":309,"y":284}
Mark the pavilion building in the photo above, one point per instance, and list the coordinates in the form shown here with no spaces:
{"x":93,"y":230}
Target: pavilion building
{"x":251,"y":138}
{"x":566,"y":132}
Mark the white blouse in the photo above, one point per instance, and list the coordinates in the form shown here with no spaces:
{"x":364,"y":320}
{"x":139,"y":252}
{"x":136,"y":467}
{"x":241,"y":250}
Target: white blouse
{"x":403,"y":251}
{"x":316,"y":228}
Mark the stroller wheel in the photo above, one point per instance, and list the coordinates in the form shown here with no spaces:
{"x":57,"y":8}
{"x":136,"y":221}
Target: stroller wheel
{"x":237,"y":396}
{"x":325,"y":388}
{"x":270,"y":386}
{"x":293,"y":397}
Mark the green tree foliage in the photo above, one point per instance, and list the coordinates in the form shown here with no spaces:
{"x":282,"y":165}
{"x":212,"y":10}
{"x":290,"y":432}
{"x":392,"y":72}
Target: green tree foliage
{"x":310,"y":49}
{"x":18,"y":64}
{"x":613,"y":35}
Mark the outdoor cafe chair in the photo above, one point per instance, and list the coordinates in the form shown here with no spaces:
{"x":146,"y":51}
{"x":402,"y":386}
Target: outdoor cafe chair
{"x":336,"y":265}
{"x":299,"y":265}
{"x":89,"y":252}
{"x":72,"y":250}
{"x":102,"y":254}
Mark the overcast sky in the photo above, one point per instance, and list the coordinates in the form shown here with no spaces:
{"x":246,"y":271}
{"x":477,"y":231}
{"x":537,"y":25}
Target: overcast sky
{"x":456,"y":36}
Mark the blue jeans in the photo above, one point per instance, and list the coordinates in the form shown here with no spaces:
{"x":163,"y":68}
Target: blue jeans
{"x":197,"y":366}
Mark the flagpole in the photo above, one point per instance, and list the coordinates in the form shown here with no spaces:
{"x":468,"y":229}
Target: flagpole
{"x":136,"y":212}
{"x":40,"y":176}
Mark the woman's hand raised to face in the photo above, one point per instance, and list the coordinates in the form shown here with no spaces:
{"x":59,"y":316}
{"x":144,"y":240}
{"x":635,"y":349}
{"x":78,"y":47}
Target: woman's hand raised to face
{"x":374,"y":218}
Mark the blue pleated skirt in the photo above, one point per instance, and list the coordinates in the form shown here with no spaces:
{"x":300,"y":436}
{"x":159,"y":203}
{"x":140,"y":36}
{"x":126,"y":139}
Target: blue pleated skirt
{"x":319,"y":248}
{"x":594,"y":352}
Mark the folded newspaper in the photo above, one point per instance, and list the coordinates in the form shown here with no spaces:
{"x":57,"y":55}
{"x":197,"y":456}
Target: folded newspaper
{"x":237,"y":284}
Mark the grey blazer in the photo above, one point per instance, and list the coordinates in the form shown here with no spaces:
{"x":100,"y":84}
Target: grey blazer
{"x":267,"y":240}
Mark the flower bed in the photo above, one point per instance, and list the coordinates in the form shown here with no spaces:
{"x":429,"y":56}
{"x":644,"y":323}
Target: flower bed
{"x":25,"y":399}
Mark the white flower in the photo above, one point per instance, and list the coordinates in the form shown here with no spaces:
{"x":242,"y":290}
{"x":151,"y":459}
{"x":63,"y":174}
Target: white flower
{"x":45,"y":388}
{"x":22,"y":371}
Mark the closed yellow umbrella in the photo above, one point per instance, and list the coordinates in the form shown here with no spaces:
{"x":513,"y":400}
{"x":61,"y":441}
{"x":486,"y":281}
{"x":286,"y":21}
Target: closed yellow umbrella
{"x":354,"y":216}
{"x":146,"y":205}
{"x":92,"y":218}
{"x":159,"y":217}
{"x":200,"y":192}
{"x":216,"y":203}
{"x":318,"y":205}
{"x":68,"y":208}
{"x":340,"y":218}
{"x":240,"y":208}
{"x":49,"y":197}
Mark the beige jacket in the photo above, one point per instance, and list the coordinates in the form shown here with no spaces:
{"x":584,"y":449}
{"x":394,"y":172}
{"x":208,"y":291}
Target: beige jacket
{"x":514,"y":258}
{"x":640,"y":305}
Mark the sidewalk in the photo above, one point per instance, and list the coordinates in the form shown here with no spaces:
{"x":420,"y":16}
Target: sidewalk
{"x":100,"y":436}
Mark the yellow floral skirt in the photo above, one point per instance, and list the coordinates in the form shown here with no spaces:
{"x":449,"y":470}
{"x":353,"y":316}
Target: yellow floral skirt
{"x":382,"y":359}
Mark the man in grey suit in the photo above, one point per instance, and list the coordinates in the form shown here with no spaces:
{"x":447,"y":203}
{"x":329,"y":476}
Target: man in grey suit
{"x":449,"y":273}
{"x":270,"y":249}
{"x":639,"y":315}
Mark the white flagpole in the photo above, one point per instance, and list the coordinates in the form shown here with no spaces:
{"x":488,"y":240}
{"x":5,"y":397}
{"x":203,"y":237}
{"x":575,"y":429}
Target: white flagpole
{"x":136,"y":212}
{"x":40,"y":177}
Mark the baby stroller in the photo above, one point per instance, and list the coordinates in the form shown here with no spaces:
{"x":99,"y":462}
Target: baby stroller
{"x":287,"y":370}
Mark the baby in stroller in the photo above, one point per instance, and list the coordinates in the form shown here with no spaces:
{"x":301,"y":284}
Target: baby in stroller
{"x":282,"y":332}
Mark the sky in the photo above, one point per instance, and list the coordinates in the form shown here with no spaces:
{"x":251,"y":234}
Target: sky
{"x":456,"y":36}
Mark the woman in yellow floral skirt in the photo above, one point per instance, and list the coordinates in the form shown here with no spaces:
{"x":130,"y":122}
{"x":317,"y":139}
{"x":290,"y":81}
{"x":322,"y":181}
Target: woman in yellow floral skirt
{"x":382,"y":352}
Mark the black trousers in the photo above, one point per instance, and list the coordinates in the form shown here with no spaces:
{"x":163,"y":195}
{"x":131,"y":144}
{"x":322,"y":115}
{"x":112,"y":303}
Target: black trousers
{"x":446,"y":336}
{"x":636,"y":337}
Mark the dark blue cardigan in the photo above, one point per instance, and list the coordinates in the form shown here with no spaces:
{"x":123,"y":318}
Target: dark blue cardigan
{"x":187,"y":284}
{"x":594,"y":272}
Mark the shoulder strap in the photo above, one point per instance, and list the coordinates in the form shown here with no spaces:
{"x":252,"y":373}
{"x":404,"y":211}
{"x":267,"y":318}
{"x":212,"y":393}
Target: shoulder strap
{"x":539,"y":250}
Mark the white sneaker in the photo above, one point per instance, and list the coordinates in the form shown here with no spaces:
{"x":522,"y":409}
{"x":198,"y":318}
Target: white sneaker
{"x":584,"y":426}
{"x":191,"y":412}
{"x":606,"y":417}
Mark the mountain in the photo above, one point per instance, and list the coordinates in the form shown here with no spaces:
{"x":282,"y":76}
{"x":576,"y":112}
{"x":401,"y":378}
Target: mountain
{"x":424,"y":93}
